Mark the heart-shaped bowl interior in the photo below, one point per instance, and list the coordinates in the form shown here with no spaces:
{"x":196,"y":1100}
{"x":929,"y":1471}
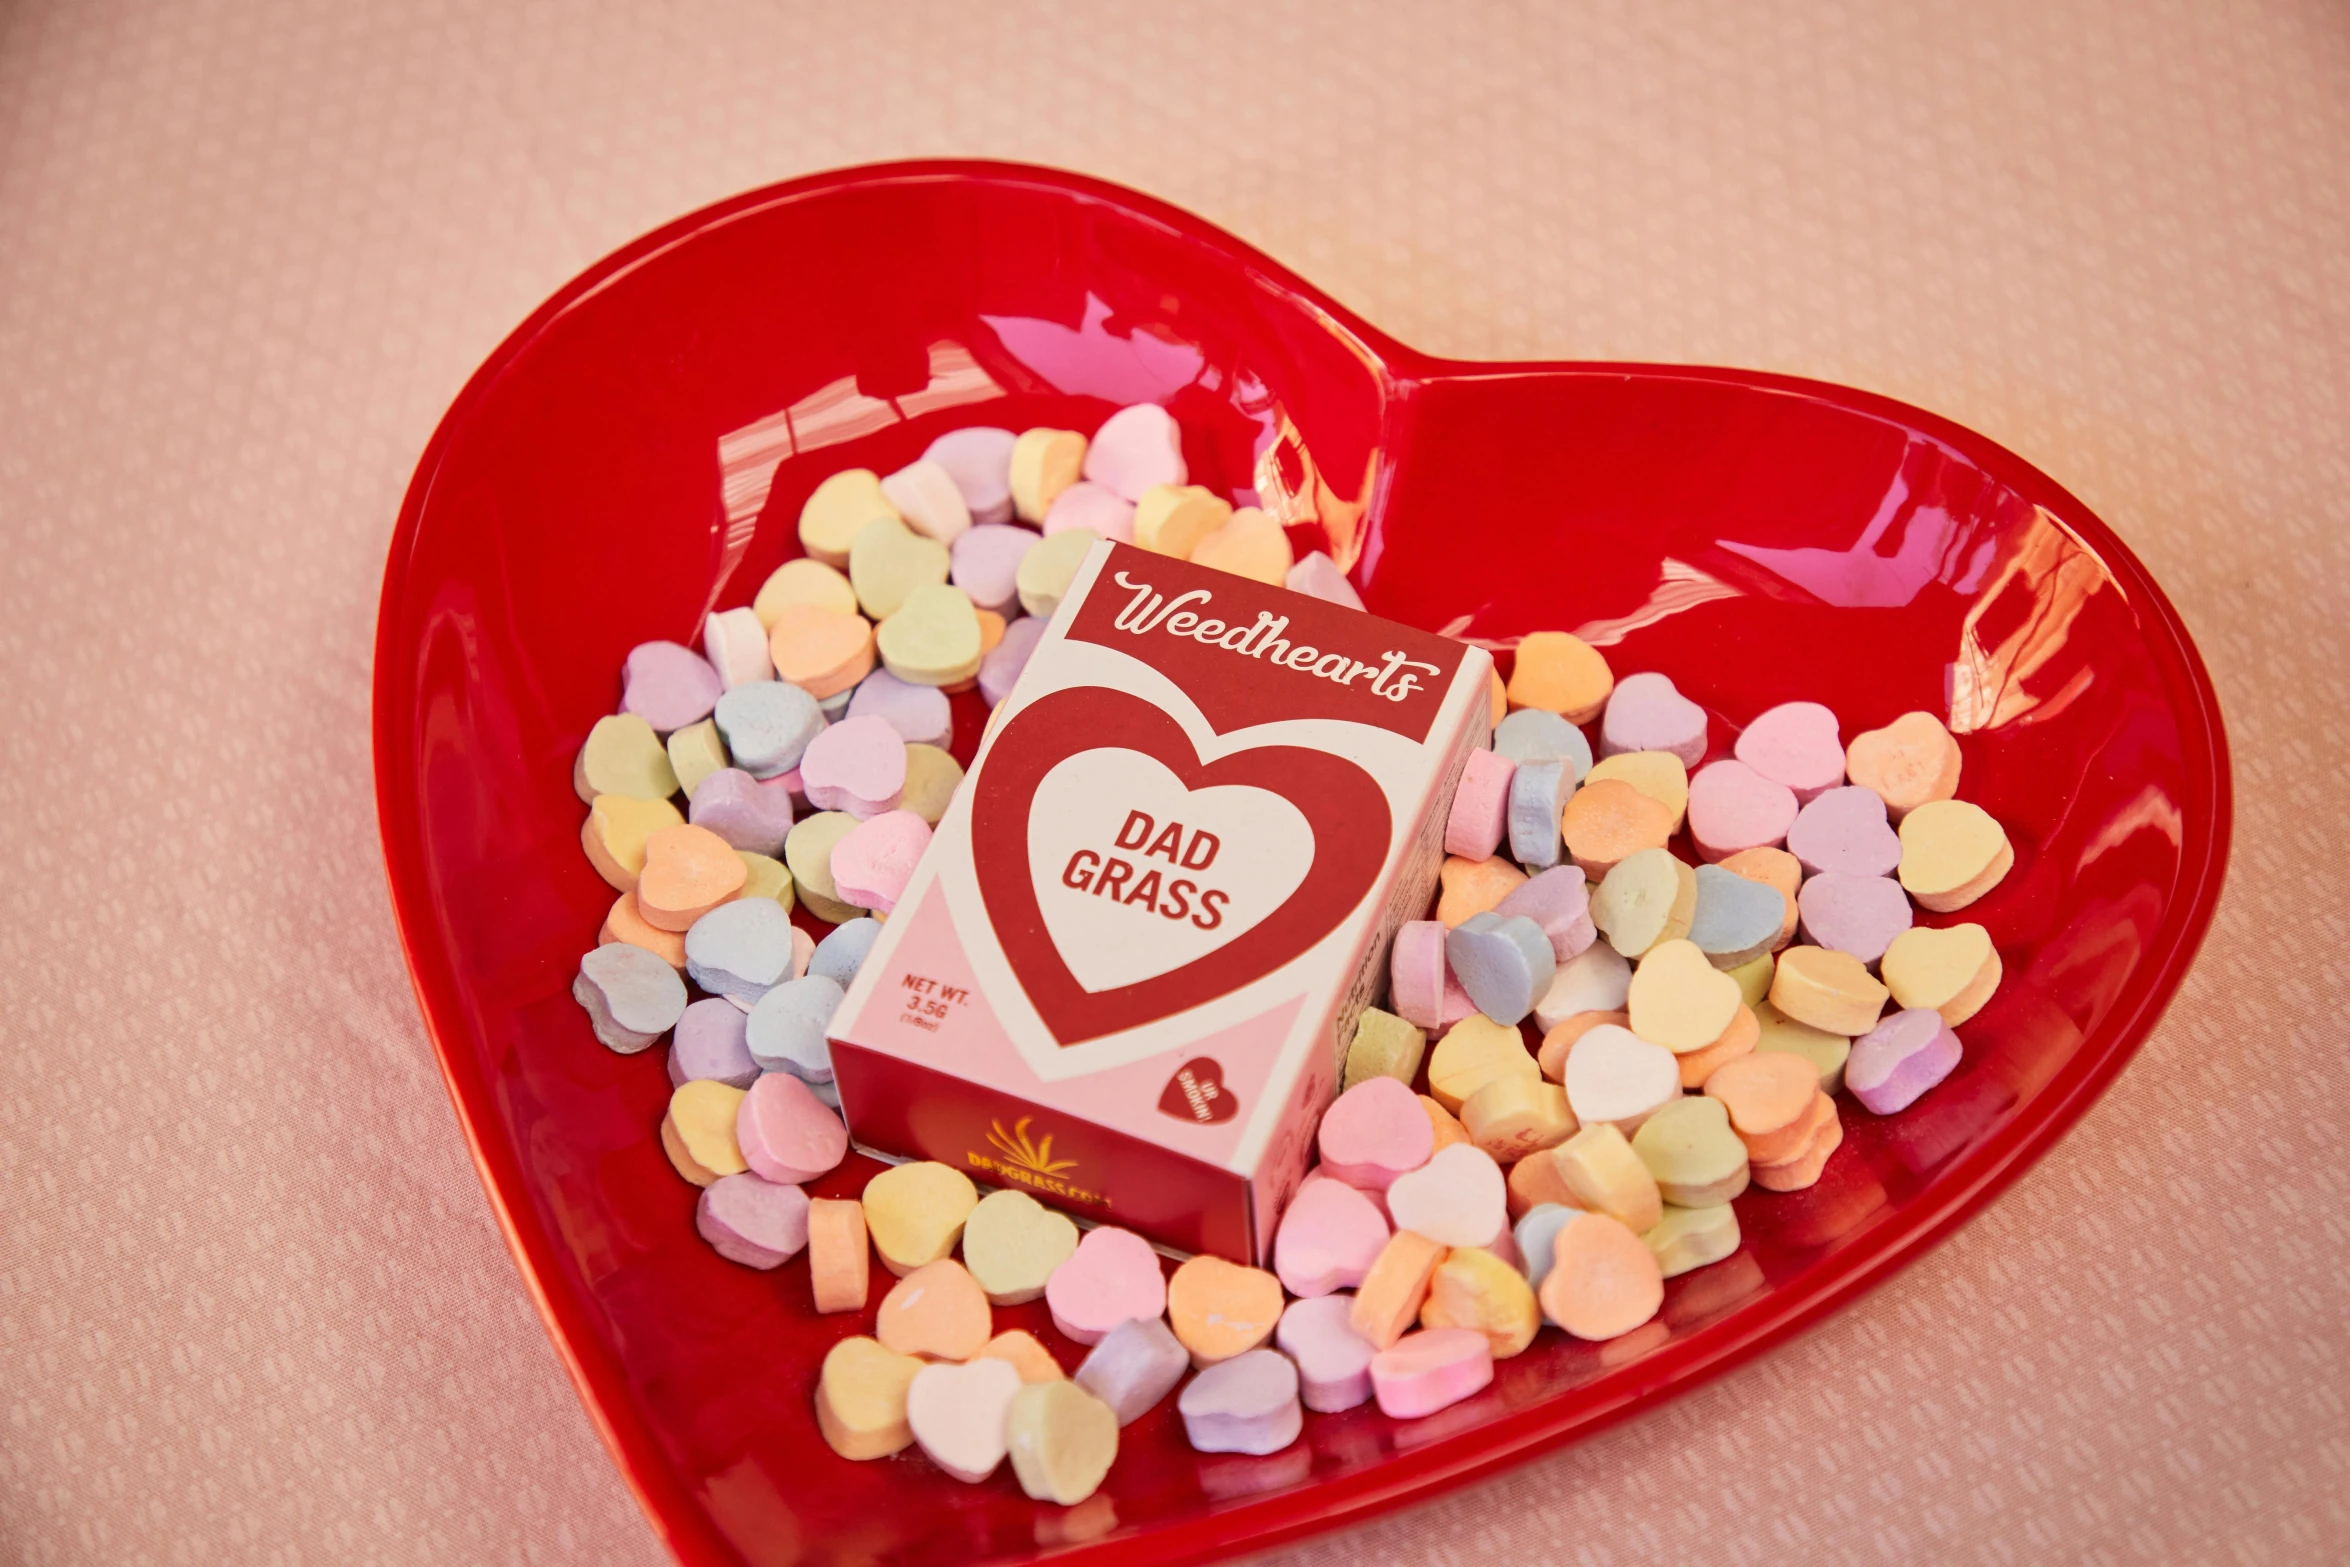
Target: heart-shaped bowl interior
{"x":637,"y":453}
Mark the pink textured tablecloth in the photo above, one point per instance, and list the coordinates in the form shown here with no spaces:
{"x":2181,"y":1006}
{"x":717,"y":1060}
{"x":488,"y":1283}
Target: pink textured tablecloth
{"x":252,"y":1305}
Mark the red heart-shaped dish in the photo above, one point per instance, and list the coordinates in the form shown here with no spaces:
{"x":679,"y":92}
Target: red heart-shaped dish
{"x":637,"y":452}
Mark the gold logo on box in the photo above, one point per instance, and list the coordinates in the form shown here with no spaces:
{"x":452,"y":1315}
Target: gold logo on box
{"x":1031,"y":1163}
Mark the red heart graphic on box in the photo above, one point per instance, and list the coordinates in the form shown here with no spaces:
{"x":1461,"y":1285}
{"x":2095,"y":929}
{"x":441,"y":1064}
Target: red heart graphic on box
{"x":1343,"y":805}
{"x":1197,"y":1093}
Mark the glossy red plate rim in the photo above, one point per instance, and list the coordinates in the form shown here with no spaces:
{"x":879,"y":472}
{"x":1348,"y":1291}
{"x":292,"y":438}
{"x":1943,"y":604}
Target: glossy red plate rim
{"x":1954,"y":1196}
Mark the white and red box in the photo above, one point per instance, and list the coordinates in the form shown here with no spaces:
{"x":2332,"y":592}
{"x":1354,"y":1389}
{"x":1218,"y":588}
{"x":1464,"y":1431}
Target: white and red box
{"x":1126,"y":972}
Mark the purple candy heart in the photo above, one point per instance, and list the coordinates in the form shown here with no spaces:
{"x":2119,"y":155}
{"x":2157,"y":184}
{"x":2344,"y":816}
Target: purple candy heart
{"x":1247,"y":1404}
{"x":708,"y":1044}
{"x":1136,"y":1364}
{"x":752,"y":816}
{"x":1647,"y":712}
{"x":1332,"y":1359}
{"x":920,"y":714}
{"x":754,"y":1221}
{"x":1856,"y":914}
{"x":1899,"y":1059}
{"x":1000,"y":670}
{"x":987,"y":565}
{"x":667,"y":685}
{"x":1559,"y":901}
{"x":979,"y":459}
{"x":1845,"y":830}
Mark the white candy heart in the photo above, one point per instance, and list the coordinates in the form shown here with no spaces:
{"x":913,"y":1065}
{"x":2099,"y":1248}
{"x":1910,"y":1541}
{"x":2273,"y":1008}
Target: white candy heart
{"x":1614,"y":1075}
{"x":1458,"y":1198}
{"x":1135,"y":448}
{"x":1597,"y":979}
{"x":956,"y":1413}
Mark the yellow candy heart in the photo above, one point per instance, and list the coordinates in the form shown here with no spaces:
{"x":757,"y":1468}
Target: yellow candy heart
{"x":703,"y":1112}
{"x":1647,"y":900}
{"x":839,"y":509}
{"x":1952,"y":852}
{"x":807,"y":852}
{"x":1472,"y":1288}
{"x":1515,"y":1115}
{"x":1048,"y":568}
{"x":888,"y":561}
{"x":805,"y":581}
{"x":765,"y":878}
{"x":931,"y":777}
{"x":933,"y":638}
{"x":1474,"y":1052}
{"x":623,"y":756}
{"x":1173,"y":518}
{"x":1754,"y":979}
{"x":1012,"y":1243}
{"x":1658,"y":774}
{"x":1825,"y":1051}
{"x":1249,"y":544}
{"x":616,"y":831}
{"x":916,"y":1212}
{"x":1688,"y":1146}
{"x":1827,"y":989}
{"x":1599,"y":1169}
{"x":1687,"y":1238}
{"x":1044,"y":463}
{"x":695,"y":752}
{"x":1679,"y":1000}
{"x":1384,"y":1046}
{"x":1953,"y":969}
{"x":861,"y":1398}
{"x":1061,"y":1439}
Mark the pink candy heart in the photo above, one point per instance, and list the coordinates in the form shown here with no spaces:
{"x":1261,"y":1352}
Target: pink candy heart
{"x":1416,"y":975}
{"x":1796,"y":744}
{"x":786,"y":1134}
{"x":1094,"y":508}
{"x":1732,"y":807}
{"x":1425,"y":1371}
{"x":1374,"y":1132}
{"x":1328,"y":1239}
{"x":873,"y":863}
{"x":1112,"y":1277}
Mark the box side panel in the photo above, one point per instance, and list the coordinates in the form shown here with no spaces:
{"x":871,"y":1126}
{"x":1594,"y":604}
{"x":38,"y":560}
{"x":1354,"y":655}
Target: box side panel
{"x":1089,"y":1171}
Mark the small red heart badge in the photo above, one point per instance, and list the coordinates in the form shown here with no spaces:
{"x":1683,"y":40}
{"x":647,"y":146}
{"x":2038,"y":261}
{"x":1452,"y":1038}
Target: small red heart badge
{"x":1197,"y":1093}
{"x":1343,"y":807}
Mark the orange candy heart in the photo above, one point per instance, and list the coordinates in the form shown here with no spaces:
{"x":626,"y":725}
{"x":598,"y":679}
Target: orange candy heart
{"x":688,"y":872}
